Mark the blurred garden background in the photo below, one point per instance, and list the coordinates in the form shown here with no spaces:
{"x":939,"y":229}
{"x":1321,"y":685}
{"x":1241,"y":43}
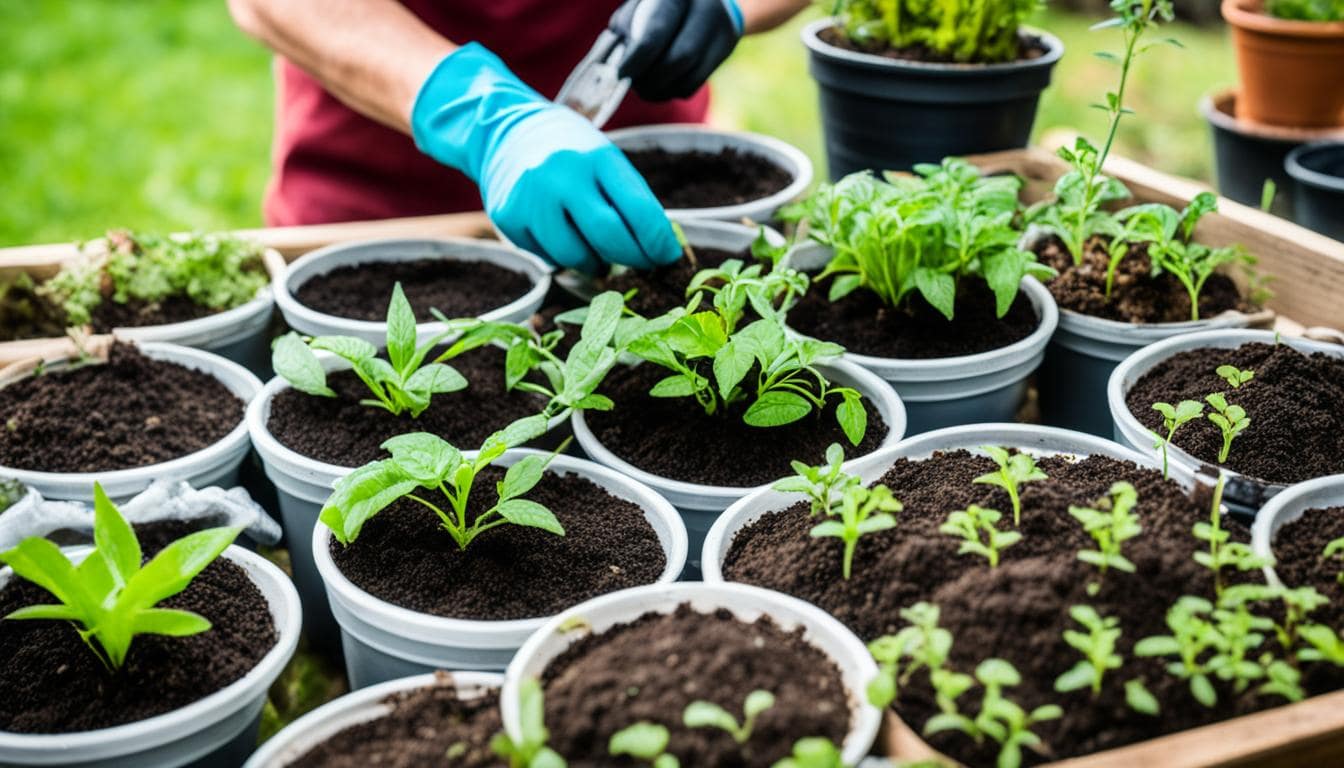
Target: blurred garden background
{"x":156,"y":114}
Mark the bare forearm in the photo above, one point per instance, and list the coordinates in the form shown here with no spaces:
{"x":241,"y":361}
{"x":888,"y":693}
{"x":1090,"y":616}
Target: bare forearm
{"x":765,"y":15}
{"x":371,"y":54}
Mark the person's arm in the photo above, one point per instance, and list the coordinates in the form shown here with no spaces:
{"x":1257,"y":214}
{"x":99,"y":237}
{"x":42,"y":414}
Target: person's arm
{"x":764,"y":15}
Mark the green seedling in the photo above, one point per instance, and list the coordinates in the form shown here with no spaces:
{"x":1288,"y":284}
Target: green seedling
{"x":1192,"y":636}
{"x":530,"y":751}
{"x":1234,"y":376}
{"x":1239,"y":634}
{"x":1334,"y":551}
{"x":705,"y":714}
{"x":733,"y":287}
{"x":110,"y":596}
{"x":1110,"y":524}
{"x":813,"y":752}
{"x":1140,"y":699}
{"x":970,"y":523}
{"x":1000,"y":718}
{"x":1173,"y":418}
{"x":1015,"y":470}
{"x":1281,"y":679}
{"x":1323,"y":644}
{"x":1230,"y":419}
{"x":645,"y":741}
{"x":924,"y":645}
{"x":824,"y":485}
{"x":1222,"y":552}
{"x":1097,"y":646}
{"x":421,"y":460}
{"x":862,"y":511}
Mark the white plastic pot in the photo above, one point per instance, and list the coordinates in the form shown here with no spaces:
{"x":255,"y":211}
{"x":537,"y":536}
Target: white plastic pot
{"x":1322,"y":493}
{"x":747,"y":604}
{"x":362,"y":706}
{"x":700,"y":505}
{"x":1242,"y":494}
{"x":676,"y":138}
{"x":968,"y":389}
{"x":215,"y":464}
{"x":1036,"y":440}
{"x":313,"y":323}
{"x":217,"y":731}
{"x":383,"y":641}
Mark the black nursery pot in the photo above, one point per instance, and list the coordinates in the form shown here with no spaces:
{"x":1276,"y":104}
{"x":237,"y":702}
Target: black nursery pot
{"x":884,"y":114}
{"x":1246,"y":154}
{"x":1318,"y":195}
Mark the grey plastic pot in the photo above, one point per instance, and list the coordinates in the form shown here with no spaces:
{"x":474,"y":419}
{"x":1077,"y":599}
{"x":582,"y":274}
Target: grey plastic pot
{"x":1242,"y":494}
{"x":313,"y":323}
{"x":217,"y":731}
{"x":383,"y":641}
{"x":699,"y":138}
{"x":1318,"y":192}
{"x":699,"y":505}
{"x":746,"y":603}
{"x":950,"y":391}
{"x":1322,"y":493}
{"x":216,"y":464}
{"x":362,"y":706}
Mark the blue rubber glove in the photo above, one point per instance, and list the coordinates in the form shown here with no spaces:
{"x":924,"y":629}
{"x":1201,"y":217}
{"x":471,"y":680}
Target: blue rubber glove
{"x":675,"y":45}
{"x":550,"y":180}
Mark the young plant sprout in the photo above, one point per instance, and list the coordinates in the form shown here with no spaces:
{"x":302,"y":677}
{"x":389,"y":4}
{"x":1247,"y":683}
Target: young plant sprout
{"x":1222,"y":552}
{"x":110,"y":596}
{"x":969,"y":523}
{"x":1230,"y":419}
{"x":1239,"y":634}
{"x":1015,"y":470}
{"x":1000,"y":718}
{"x":862,"y":511}
{"x":530,"y":751}
{"x":1234,"y":376}
{"x":1097,"y":646}
{"x":824,"y":485}
{"x":1173,"y":418}
{"x":1335,"y":551}
{"x":1140,"y":699}
{"x":421,"y":460}
{"x":705,"y":714}
{"x":1323,"y":645}
{"x":813,"y":752}
{"x":733,"y":287}
{"x":645,"y":741}
{"x":1110,"y":524}
{"x":926,"y":646}
{"x":1281,"y":679}
{"x":1192,"y":635}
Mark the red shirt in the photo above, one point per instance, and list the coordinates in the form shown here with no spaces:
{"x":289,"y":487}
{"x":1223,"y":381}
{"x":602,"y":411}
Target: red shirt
{"x":330,"y":163}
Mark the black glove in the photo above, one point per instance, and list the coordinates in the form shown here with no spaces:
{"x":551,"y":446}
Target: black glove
{"x":674,"y":45}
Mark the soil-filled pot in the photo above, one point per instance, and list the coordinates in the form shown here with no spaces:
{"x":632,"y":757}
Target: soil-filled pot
{"x":1318,"y":191}
{"x":880,"y":113}
{"x":402,"y":551}
{"x":217,"y":730}
{"x":1289,"y":70}
{"x":702,"y":173}
{"x":408,"y":719}
{"x":1292,"y":531}
{"x":153,"y":411}
{"x":700,"y":502}
{"x":940,"y":391}
{"x":645,"y":653}
{"x":344,"y":289}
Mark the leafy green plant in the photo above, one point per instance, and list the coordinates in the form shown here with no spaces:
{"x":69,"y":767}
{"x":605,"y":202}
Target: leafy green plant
{"x":1000,"y":718}
{"x":1234,"y":376}
{"x":970,"y":523}
{"x":1281,"y":679}
{"x":421,"y":460}
{"x":1323,"y":644}
{"x":1222,"y":553}
{"x":982,"y":31}
{"x":530,"y":751}
{"x":1230,"y":419}
{"x":1173,"y":418}
{"x":1306,"y":10}
{"x":1140,"y":699}
{"x":1192,"y":636}
{"x":646,"y":741}
{"x":1334,"y":550}
{"x":1097,"y":646}
{"x":1192,"y":264}
{"x":813,"y":752}
{"x":706,"y":714}
{"x":1239,"y":633}
{"x":926,"y":646}
{"x":861,"y":511}
{"x":734,"y":286}
{"x":824,"y":485}
{"x":1110,"y":524}
{"x":1015,"y":470}
{"x":110,"y":596}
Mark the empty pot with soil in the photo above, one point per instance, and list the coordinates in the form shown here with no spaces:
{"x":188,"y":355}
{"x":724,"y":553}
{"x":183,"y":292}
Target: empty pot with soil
{"x":409,"y":721}
{"x":344,"y":289}
{"x":1318,"y":190}
{"x":1288,"y":68}
{"x":1294,"y":532}
{"x":1289,"y":393}
{"x":702,"y":173}
{"x":132,"y":414}
{"x":409,"y":597}
{"x":653,"y":653}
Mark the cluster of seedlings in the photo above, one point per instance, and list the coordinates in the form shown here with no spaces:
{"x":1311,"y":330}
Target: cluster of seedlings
{"x":1230,"y":418}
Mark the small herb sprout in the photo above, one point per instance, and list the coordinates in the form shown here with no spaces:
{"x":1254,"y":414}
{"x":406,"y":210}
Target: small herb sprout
{"x":1140,"y":699}
{"x":110,"y":596}
{"x":423,"y":460}
{"x":1173,"y":418}
{"x":400,"y":384}
{"x":1281,"y":679}
{"x":1335,"y":551}
{"x":926,"y":646}
{"x":969,"y":523}
{"x":1110,"y":524}
{"x":645,"y":741}
{"x":1323,"y":644}
{"x":1192,"y":635}
{"x":862,"y":511}
{"x":1234,"y":376}
{"x":1000,"y":718}
{"x":705,"y":714}
{"x":1015,"y":470}
{"x":1239,"y":634}
{"x":825,"y":485}
{"x":813,"y":752}
{"x":1222,"y":553}
{"x":1097,"y":646}
{"x":1230,"y":419}
{"x":530,"y":751}
{"x":733,"y":287}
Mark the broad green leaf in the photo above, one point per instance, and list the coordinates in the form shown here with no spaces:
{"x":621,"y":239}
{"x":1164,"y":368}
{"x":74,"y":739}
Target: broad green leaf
{"x":702,"y":714}
{"x":435,"y":379}
{"x":765,"y":339}
{"x":362,"y":494}
{"x":828,"y":528}
{"x":842,"y":286}
{"x":881,"y":690}
{"x":852,"y":416}
{"x":522,"y":477}
{"x":424,"y":457}
{"x":757,"y":702}
{"x":114,"y":538}
{"x":400,"y":331}
{"x":1140,"y":699}
{"x":775,"y":408}
{"x":169,"y":621}
{"x":881,"y":522}
{"x":173,"y":568}
{"x":604,"y":312}
{"x":731,"y":364}
{"x":40,"y":561}
{"x":997,"y":671}
{"x":518,"y":362}
{"x":1203,"y":691}
{"x":294,"y":362}
{"x":1161,"y":645}
{"x":697,"y":335}
{"x":673,"y":386}
{"x":595,"y":403}
{"x":644,"y":740}
{"x":530,"y":514}
{"x":1077,"y":678}
{"x":937,"y":288}
{"x":347,"y":347}
{"x":1003,"y":272}
{"x":523,"y":430}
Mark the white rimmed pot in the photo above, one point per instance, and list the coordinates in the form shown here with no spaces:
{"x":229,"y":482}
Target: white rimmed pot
{"x":680,"y":138}
{"x":355,"y":708}
{"x":383,"y":641}
{"x":217,"y":731}
{"x":1242,"y":494}
{"x":747,"y":604}
{"x":216,"y":464}
{"x":968,"y":389}
{"x":313,"y":323}
{"x":700,"y":505}
{"x":1322,"y":493}
{"x":1033,"y":439}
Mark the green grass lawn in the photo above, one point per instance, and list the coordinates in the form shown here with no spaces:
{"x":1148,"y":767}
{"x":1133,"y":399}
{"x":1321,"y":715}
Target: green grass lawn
{"x":156,"y":114}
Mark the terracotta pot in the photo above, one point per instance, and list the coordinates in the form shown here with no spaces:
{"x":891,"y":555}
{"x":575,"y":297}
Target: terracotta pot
{"x":1290,"y":71}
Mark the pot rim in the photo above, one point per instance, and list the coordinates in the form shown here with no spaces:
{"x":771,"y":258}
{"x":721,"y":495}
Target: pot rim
{"x":1309,"y":176}
{"x":1288,"y":506}
{"x":1211,"y":107}
{"x":811,"y":34}
{"x":1249,"y":15}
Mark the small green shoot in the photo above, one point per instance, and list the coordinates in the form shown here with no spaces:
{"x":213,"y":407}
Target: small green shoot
{"x":862,"y":511}
{"x":705,"y":714}
{"x":1281,"y":679}
{"x":1230,"y":419}
{"x":813,"y":752}
{"x":645,"y":741}
{"x":530,"y":751}
{"x":1234,"y":376}
{"x":1000,"y":718}
{"x":1222,"y":552}
{"x":1097,"y":646}
{"x":1323,"y":644}
{"x":970,"y":523}
{"x":1192,"y":635}
{"x":1015,"y":470}
{"x":1173,"y":418}
{"x":824,"y":485}
{"x":925,"y":645}
{"x":1334,"y":551}
{"x":1110,"y":524}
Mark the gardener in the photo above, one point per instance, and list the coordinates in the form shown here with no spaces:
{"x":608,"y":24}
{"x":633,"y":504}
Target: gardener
{"x":358,"y":76}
